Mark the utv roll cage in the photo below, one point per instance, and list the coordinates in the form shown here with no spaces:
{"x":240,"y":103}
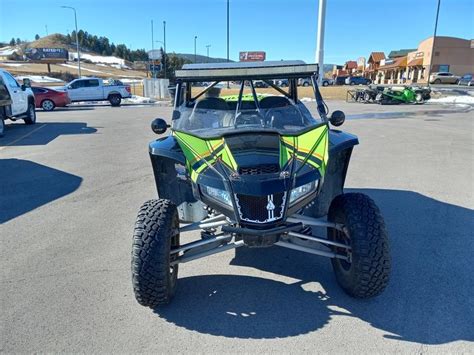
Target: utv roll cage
{"x":249,"y":72}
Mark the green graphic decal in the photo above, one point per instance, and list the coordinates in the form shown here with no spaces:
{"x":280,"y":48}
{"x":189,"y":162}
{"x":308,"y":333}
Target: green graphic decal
{"x":310,"y":147}
{"x":200,"y":153}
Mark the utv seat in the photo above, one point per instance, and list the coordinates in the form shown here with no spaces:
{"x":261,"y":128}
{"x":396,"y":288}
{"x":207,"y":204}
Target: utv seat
{"x":212,"y":103}
{"x":273,"y":102}
{"x":245,"y":105}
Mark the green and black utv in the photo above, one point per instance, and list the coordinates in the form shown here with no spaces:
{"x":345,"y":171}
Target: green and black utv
{"x":250,"y":168}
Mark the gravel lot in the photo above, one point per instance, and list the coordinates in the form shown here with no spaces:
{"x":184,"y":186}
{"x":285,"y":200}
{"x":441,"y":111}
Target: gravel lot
{"x":71,"y":185}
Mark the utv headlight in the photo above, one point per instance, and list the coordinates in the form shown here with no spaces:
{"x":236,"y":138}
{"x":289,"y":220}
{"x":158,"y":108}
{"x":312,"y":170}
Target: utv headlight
{"x":303,"y":190}
{"x":217,"y":194}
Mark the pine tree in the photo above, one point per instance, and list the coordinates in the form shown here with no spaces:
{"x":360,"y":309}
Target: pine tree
{"x":37,"y":37}
{"x":12,"y":42}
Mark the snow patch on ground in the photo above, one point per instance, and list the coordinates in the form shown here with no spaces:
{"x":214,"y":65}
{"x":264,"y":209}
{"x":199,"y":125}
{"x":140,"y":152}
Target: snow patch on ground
{"x":12,"y":64}
{"x":39,"y":79}
{"x":135,"y":99}
{"x":86,"y":69}
{"x":9,"y":50}
{"x":461,"y":99}
{"x":98,"y":58}
{"x":131,"y":81}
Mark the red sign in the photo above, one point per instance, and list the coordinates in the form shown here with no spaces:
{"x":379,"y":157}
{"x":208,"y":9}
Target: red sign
{"x":252,"y":56}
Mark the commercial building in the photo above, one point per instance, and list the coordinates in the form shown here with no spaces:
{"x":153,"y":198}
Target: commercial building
{"x":407,"y":66}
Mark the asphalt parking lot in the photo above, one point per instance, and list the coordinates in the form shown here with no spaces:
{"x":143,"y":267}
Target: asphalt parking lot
{"x":70,"y":188}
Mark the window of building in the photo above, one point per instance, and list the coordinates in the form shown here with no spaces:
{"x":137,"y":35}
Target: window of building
{"x":444,"y":68}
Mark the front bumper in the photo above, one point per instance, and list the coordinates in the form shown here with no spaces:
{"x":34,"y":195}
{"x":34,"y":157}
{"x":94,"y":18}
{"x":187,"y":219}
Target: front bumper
{"x":262,"y":237}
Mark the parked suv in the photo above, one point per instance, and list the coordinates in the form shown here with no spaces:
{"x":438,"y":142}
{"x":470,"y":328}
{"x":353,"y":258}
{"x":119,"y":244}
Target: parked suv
{"x":307,"y":82}
{"x":16,"y":101}
{"x":466,"y":79}
{"x":443,"y":78}
{"x":357,"y":80}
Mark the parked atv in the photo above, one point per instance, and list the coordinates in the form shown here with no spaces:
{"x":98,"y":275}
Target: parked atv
{"x":252,"y":170}
{"x":369,"y":94}
{"x":402,"y":95}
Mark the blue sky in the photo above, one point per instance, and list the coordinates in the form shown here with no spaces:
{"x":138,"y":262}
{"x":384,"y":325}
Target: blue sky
{"x":285,"y":29}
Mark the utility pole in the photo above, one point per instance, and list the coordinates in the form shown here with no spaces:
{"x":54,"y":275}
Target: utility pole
{"x":320,"y":39}
{"x":228,"y":84}
{"x":433,"y":47}
{"x":207,"y":47}
{"x":195,"y":38}
{"x":164,"y":50}
{"x":46,"y":26}
{"x":77,"y":40}
{"x":152,"y":53}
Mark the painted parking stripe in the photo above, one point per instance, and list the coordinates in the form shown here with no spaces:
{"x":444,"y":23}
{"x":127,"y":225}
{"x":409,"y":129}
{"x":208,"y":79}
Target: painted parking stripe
{"x":22,"y":137}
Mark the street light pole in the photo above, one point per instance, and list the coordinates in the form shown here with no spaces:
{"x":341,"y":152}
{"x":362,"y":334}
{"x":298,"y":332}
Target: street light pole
{"x":207,"y":47}
{"x":195,"y":38}
{"x":228,"y":83}
{"x":162,"y":59}
{"x":164,"y":49}
{"x":433,"y":47}
{"x":227,"y":30}
{"x":77,"y":40}
{"x":152,"y":53}
{"x":320,"y":39}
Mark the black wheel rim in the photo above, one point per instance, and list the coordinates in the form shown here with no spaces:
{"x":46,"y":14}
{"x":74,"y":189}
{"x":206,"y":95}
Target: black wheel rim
{"x":174,"y":244}
{"x":343,"y":238}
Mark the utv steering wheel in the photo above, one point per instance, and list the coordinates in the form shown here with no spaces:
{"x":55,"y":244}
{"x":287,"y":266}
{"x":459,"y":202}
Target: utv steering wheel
{"x":247,"y":119}
{"x":270,"y":117}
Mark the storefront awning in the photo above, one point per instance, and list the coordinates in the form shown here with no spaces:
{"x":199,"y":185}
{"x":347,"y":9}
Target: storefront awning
{"x":416,"y":62}
{"x":397,"y":63}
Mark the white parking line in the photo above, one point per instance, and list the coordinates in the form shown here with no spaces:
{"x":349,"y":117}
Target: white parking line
{"x":22,"y":137}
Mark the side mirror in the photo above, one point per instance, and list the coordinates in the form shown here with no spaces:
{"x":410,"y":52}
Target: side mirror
{"x":69,"y":87}
{"x":337,"y":118}
{"x":159,"y":126}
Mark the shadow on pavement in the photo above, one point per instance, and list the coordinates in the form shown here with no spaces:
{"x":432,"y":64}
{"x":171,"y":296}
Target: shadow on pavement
{"x":41,"y":133}
{"x":26,"y":185}
{"x":429,"y":299}
{"x":68,"y":108}
{"x":406,"y":114}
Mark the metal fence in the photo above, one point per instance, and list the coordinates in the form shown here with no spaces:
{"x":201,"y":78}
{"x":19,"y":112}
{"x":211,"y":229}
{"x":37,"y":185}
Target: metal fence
{"x":156,"y":88}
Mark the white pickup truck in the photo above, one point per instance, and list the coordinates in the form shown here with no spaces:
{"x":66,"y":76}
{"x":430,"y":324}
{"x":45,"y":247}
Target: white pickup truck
{"x":93,"y":89}
{"x":16,"y":101}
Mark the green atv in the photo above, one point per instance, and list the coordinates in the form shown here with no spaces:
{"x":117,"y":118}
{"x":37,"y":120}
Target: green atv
{"x":254,"y":170}
{"x":402,"y":95}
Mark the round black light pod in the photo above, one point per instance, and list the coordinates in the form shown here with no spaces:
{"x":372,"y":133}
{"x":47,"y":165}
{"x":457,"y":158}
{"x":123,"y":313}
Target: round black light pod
{"x":159,"y":126}
{"x":337,"y":118}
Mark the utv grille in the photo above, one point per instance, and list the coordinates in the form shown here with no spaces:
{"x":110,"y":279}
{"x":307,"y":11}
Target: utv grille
{"x":261,"y":209}
{"x":259,"y":169}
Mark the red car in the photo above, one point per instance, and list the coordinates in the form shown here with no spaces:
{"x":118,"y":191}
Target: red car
{"x":48,"y":99}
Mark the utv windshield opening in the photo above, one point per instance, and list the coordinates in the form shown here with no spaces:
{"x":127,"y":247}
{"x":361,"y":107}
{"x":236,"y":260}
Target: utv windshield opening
{"x":258,"y":105}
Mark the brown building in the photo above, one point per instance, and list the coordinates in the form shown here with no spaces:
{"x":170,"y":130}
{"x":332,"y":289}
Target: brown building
{"x":405,"y":66}
{"x":454,"y":55}
{"x":373,"y":64}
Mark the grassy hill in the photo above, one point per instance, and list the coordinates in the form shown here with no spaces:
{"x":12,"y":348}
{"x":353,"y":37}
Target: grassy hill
{"x":201,"y":58}
{"x":55,"y":40}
